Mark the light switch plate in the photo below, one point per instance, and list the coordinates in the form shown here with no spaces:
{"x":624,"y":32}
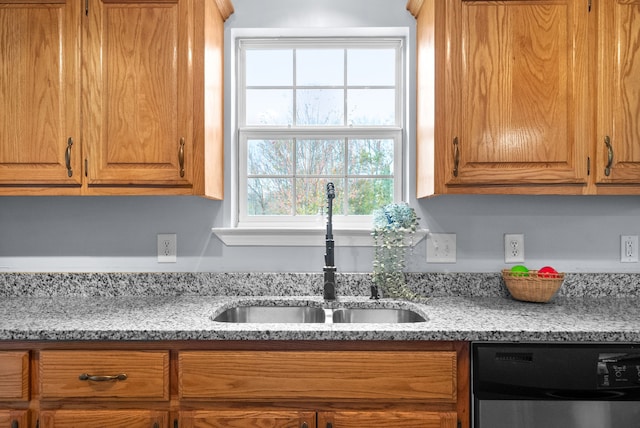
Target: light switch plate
{"x":441,"y":248}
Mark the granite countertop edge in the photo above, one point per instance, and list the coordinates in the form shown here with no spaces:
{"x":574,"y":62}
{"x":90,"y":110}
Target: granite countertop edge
{"x":475,"y":307}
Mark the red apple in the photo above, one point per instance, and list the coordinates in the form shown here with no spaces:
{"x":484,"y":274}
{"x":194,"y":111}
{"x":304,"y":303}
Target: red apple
{"x":547,"y":272}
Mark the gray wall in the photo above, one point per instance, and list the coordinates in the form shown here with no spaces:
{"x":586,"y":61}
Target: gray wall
{"x":574,"y":234}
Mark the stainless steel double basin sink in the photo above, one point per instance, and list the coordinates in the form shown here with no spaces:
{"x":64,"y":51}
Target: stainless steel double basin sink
{"x":313,"y":314}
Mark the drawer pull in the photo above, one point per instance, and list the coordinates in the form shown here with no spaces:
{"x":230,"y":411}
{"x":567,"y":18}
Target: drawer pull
{"x":94,"y":378}
{"x":14,"y":424}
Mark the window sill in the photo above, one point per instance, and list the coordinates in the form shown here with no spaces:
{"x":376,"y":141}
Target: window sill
{"x":289,"y":237}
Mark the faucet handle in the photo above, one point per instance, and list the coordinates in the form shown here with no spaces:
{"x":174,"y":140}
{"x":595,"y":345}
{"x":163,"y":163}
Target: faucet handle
{"x":331,"y":190}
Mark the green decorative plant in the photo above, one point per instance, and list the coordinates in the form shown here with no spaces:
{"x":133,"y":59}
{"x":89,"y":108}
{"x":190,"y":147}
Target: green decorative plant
{"x":393,"y":229}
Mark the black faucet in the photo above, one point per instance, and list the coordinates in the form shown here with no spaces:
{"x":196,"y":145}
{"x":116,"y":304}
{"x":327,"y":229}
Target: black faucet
{"x":329,"y":263}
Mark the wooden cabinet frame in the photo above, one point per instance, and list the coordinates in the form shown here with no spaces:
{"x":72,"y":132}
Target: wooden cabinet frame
{"x":440,"y":413}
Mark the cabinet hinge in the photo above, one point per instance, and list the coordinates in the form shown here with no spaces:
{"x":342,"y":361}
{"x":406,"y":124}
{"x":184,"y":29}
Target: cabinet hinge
{"x":588,"y":165}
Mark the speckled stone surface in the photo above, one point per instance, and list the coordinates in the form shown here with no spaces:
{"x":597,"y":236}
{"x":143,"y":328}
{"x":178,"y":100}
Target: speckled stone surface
{"x":180,"y":306}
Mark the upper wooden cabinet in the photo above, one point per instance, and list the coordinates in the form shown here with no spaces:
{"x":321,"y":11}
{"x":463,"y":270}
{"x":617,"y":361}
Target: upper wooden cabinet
{"x":138,"y":87}
{"x":40,"y":94}
{"x":508,"y":93}
{"x":617,"y":142}
{"x":120,"y":97}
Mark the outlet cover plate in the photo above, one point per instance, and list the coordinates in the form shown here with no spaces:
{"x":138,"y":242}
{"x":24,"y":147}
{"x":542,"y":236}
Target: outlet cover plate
{"x":167,"y":248}
{"x":629,"y":248}
{"x":441,"y":248}
{"x":513,"y":248}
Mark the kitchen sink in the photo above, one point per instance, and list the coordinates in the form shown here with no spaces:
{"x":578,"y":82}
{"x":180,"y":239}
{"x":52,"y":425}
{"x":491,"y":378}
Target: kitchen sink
{"x":272,"y":314}
{"x":319,"y":315}
{"x":375,"y":315}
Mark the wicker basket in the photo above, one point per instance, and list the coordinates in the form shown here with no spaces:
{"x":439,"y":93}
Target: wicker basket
{"x":532,"y":286}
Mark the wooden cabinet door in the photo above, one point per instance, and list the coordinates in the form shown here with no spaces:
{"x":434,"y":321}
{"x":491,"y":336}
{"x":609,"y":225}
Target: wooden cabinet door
{"x":247,"y":418}
{"x":138,"y":93}
{"x":14,"y":375}
{"x":13,"y":419}
{"x":40,"y":93}
{"x":516,"y":107}
{"x":103,"y":419}
{"x":618,"y":76}
{"x":391,"y":419}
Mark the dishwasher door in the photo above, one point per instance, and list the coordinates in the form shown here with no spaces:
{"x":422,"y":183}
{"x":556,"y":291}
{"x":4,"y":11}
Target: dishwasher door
{"x":557,"y":414}
{"x":555,"y":385}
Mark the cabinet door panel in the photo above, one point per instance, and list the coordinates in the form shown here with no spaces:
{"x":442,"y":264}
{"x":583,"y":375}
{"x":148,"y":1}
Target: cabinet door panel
{"x":139,"y":93}
{"x":103,"y":419}
{"x":619,"y":93}
{"x":14,"y":375}
{"x":9,"y":418}
{"x":247,"y":418}
{"x":517,"y":94}
{"x":321,"y":375}
{"x":40,"y":92}
{"x":391,"y":419}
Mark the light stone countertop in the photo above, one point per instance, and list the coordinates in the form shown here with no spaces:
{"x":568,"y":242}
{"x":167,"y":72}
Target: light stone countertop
{"x":117,"y":307}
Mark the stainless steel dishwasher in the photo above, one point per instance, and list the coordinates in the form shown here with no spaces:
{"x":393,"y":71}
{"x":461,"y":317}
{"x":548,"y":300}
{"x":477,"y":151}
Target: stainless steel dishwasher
{"x":555,"y":385}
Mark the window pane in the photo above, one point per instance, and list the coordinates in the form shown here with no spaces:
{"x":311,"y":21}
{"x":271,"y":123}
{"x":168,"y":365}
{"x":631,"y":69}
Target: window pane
{"x":269,"y":196}
{"x":371,"y":107}
{"x":311,"y":196}
{"x":320,"y":107}
{"x":269,"y":67}
{"x":366,"y":67}
{"x":269,"y":157}
{"x":368,"y":194}
{"x":371,"y":157}
{"x":320,"y":157}
{"x":320,"y":67}
{"x":269,"y":107}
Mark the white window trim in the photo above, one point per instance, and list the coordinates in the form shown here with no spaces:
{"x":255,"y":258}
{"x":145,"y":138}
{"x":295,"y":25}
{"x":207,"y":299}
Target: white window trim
{"x":345,"y":234}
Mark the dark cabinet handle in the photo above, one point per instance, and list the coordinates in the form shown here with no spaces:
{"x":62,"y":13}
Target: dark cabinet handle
{"x":607,"y":169}
{"x":94,"y":378}
{"x":14,"y":424}
{"x":181,"y":156}
{"x":456,"y":156}
{"x":67,"y":157}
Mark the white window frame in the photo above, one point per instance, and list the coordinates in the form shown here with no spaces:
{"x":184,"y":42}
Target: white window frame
{"x":288,"y":233}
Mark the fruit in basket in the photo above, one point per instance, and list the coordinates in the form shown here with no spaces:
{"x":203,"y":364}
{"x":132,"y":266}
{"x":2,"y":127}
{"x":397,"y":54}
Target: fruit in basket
{"x":547,"y":272}
{"x":519,"y":270}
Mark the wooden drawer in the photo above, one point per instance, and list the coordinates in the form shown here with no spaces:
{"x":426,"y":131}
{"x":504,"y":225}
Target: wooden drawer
{"x":384,"y":376}
{"x":14,"y":375}
{"x":85,"y":374}
{"x":103,"y":418}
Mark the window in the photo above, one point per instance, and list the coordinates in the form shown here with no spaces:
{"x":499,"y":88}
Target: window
{"x":315,"y":110}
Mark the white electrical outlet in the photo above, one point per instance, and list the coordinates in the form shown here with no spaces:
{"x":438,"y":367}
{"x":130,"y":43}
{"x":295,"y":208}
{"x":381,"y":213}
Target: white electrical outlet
{"x":441,"y":248}
{"x":629,"y":248}
{"x":167,"y":248}
{"x":513,"y":248}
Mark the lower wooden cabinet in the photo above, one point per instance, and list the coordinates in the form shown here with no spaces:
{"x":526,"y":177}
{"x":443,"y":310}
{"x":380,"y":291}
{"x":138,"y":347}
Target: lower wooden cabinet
{"x":301,"y":419}
{"x":14,"y":389}
{"x":247,"y":418}
{"x":103,"y":419}
{"x":395,"y":419}
{"x":14,"y":418}
{"x":192,"y":384}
